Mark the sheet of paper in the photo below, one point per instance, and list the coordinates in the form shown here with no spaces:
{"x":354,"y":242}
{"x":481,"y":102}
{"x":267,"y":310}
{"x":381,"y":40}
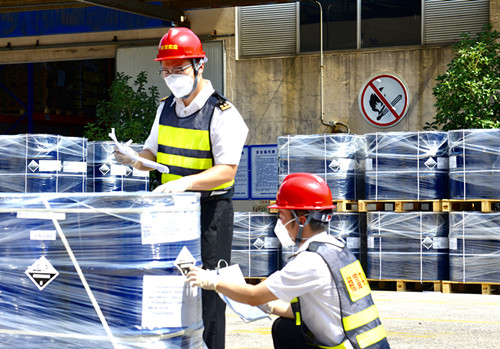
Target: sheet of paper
{"x":123,"y":148}
{"x":246,"y":312}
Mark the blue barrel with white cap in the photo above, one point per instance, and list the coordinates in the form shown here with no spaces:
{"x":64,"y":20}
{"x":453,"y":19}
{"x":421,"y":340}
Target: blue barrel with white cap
{"x":105,"y":174}
{"x":474,"y":164}
{"x":406,"y":165}
{"x":255,"y":247}
{"x":333,"y":157}
{"x":407,"y":245}
{"x":127,"y":247}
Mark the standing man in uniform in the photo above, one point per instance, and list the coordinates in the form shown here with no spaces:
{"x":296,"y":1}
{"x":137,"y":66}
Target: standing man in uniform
{"x":324,"y":298}
{"x":199,"y":135}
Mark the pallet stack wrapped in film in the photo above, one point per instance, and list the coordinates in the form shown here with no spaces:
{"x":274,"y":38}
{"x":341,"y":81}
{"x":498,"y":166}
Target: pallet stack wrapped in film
{"x":474,"y":205}
{"x":255,"y":248}
{"x":410,"y":245}
{"x":99,"y":270}
{"x":44,"y":163}
{"x":337,"y":158}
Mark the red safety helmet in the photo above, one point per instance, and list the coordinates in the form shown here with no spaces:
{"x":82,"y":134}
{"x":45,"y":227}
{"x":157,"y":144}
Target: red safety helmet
{"x":303,"y":191}
{"x":179,"y":43}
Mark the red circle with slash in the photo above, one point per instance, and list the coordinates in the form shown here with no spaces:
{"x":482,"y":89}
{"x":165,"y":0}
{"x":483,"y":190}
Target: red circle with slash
{"x":384,"y":100}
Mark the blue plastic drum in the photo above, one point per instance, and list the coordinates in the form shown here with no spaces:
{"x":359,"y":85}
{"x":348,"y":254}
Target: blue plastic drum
{"x":407,"y":246}
{"x":105,"y":174}
{"x":350,"y":227}
{"x":406,"y":165}
{"x":474,"y":247}
{"x":13,"y":164}
{"x":474,"y":164}
{"x":126,"y":246}
{"x":334,"y":157}
{"x":255,"y":248}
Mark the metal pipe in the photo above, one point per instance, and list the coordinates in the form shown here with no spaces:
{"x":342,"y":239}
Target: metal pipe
{"x":331,"y":124}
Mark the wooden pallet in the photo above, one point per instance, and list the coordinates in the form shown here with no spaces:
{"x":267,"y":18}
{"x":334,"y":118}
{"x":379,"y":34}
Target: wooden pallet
{"x":346,"y":205}
{"x":405,"y":285}
{"x":400,"y":205}
{"x":480,"y":205}
{"x":471,"y":287}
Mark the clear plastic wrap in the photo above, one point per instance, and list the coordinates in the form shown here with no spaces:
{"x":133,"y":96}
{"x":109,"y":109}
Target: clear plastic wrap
{"x":474,"y":164}
{"x":98,"y":270}
{"x":41,"y":163}
{"x":474,"y":246}
{"x":406,"y":165}
{"x":334,"y":157}
{"x":407,"y":246}
{"x":350,"y":226}
{"x":255,"y":246}
{"x":105,"y":174}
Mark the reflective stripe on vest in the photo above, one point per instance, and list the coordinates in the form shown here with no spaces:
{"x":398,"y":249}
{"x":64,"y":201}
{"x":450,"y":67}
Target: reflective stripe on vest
{"x":360,"y":316}
{"x":184,"y":143}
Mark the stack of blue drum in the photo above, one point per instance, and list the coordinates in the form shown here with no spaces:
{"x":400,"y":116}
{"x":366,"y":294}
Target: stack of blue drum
{"x":106,"y":175}
{"x":350,"y":227}
{"x":474,"y":246}
{"x":40,"y":163}
{"x":406,"y":165}
{"x":409,"y":245}
{"x":474,"y":164}
{"x":256,"y":249}
{"x":334,"y":157}
{"x":99,"y":270}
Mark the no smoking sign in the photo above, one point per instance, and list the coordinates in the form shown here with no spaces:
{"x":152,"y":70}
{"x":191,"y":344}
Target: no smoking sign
{"x":384,"y":100}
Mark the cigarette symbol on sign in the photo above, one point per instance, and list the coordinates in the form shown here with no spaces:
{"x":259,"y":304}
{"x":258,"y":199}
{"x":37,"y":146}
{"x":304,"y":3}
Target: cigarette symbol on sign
{"x":378,"y":106}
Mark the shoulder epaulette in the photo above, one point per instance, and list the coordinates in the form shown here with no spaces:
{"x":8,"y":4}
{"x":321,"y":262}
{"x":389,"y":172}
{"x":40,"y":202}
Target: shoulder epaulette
{"x":223,"y":105}
{"x":164,"y":99}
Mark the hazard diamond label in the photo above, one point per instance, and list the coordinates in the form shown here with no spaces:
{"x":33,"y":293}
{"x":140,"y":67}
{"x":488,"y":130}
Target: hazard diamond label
{"x":42,"y":273}
{"x":384,"y":100}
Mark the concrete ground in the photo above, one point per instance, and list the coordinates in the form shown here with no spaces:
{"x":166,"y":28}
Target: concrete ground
{"x":413,"y":320}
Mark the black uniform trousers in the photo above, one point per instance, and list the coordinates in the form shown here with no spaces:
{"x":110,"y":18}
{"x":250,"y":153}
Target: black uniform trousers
{"x":216,"y":240}
{"x":287,"y":335}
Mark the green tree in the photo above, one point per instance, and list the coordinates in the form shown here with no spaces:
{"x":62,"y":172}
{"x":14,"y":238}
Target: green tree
{"x":130,"y":110}
{"x":468,"y":94}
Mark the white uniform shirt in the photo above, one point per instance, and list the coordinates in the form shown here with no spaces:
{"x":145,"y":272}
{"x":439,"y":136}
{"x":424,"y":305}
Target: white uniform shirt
{"x":228,"y":131}
{"x":307,"y":276}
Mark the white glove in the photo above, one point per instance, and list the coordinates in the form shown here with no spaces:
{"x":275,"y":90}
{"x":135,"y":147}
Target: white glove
{"x":177,"y":186}
{"x":206,"y":279}
{"x":266,"y":308}
{"x":126,"y":158}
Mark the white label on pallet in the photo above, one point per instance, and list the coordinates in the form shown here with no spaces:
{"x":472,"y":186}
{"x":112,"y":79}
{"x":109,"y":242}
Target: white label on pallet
{"x":49,"y":165}
{"x":371,"y":242}
{"x":453,"y":244}
{"x":353,"y":242}
{"x":442,"y":163}
{"x":74,"y":166}
{"x":168,"y":301}
{"x":60,"y":216}
{"x":43,"y":235}
{"x":168,"y":227}
{"x":440,"y":243}
{"x":453,"y":161}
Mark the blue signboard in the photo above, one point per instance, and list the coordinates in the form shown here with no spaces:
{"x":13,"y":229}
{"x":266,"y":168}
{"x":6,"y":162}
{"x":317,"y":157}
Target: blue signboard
{"x":263,"y":172}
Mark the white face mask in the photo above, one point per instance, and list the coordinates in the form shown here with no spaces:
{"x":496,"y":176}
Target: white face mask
{"x":181,"y":85}
{"x":282,"y":234}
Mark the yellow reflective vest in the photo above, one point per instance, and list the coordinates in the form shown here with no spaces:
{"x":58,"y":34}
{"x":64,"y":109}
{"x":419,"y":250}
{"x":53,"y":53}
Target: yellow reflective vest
{"x":184,"y":143}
